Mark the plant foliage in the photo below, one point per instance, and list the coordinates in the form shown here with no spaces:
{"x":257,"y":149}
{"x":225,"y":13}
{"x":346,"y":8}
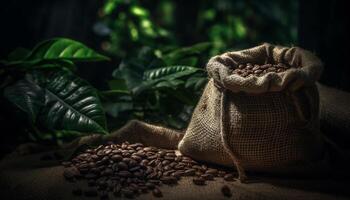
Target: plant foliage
{"x":43,"y":87}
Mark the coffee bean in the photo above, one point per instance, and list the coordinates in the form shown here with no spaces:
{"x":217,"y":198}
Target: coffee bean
{"x":153,"y":175}
{"x":229,"y":177}
{"x":178,"y":159}
{"x":156,"y":192}
{"x":226,"y":191}
{"x":136,"y":158}
{"x":258,"y":71}
{"x":198,"y":181}
{"x":256,"y":67}
{"x":116,"y":158}
{"x":212,"y":171}
{"x":122,"y":166}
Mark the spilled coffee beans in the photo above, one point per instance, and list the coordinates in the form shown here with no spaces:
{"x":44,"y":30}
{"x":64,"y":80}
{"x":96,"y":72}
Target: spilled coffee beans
{"x":131,"y":169}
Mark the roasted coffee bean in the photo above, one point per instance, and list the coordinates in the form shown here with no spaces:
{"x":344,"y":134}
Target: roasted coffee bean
{"x":152,"y":175}
{"x":116,"y":158}
{"x":226,"y":191}
{"x":198,"y":181}
{"x":136,"y":158}
{"x":212,"y":171}
{"x":229,"y":177}
{"x":122,"y":166}
{"x":156,"y":192}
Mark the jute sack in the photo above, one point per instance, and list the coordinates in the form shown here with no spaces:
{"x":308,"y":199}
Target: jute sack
{"x":262,"y":124}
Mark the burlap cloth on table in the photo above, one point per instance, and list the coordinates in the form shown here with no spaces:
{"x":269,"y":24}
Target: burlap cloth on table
{"x":28,"y":175}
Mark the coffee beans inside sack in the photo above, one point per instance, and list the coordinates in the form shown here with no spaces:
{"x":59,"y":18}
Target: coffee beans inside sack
{"x":129,"y":170}
{"x":245,"y":70}
{"x":259,"y":112}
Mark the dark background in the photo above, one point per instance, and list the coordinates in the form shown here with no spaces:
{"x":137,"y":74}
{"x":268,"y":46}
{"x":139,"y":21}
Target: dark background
{"x":321,"y":26}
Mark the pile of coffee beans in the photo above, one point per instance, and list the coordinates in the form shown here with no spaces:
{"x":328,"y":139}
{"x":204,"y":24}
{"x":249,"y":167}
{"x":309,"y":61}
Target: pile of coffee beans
{"x":245,"y":70}
{"x":132,"y":169}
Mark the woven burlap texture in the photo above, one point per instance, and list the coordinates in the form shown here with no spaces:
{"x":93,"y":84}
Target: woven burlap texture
{"x":268,"y":123}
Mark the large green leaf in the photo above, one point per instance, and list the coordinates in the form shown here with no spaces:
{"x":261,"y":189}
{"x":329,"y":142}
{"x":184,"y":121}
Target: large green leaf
{"x":170,"y":72}
{"x":62,"y":102}
{"x":72,"y":104}
{"x":165,"y":75}
{"x":27,"y":96}
{"x":63,"y":48}
{"x":57,"y":49}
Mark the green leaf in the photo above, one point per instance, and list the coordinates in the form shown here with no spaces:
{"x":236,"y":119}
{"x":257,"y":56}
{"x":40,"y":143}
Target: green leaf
{"x":64,"y":48}
{"x":61,"y":102}
{"x":72,"y":104}
{"x":27,"y":96}
{"x":57,"y":49}
{"x":154,"y":76}
{"x":170,"y":72}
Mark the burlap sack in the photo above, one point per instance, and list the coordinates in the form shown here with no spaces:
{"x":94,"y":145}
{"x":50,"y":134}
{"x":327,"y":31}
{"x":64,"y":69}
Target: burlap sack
{"x":268,"y":123}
